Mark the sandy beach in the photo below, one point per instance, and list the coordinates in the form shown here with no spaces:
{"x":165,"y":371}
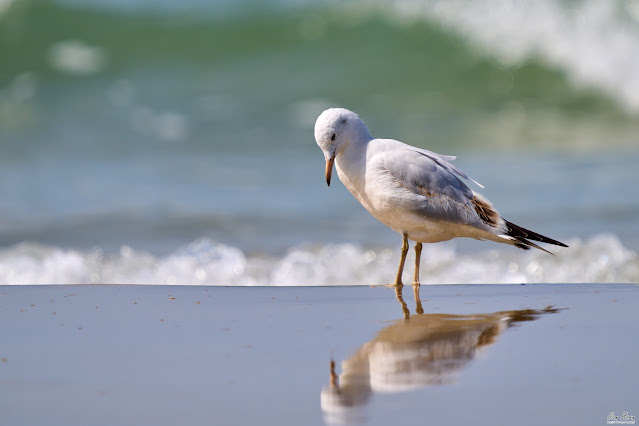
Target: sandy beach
{"x":165,"y":355}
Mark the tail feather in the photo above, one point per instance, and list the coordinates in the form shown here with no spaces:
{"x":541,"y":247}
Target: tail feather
{"x":521,"y":236}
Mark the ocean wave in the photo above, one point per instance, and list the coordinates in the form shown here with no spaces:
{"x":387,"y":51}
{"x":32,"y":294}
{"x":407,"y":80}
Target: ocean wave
{"x":467,"y":74}
{"x":600,"y":259}
{"x":592,"y":42}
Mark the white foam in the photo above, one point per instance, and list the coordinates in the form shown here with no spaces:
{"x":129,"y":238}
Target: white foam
{"x":593,"y":42}
{"x":602,"y":258}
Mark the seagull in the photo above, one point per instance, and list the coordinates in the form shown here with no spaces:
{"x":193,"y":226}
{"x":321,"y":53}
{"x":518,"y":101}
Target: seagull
{"x":416,"y":192}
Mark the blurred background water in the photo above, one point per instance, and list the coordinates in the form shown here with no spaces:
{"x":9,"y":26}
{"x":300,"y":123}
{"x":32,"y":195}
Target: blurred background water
{"x":172,"y":142}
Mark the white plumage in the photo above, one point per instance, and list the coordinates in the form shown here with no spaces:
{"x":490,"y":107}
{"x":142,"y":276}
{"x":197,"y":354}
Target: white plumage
{"x":416,"y":192}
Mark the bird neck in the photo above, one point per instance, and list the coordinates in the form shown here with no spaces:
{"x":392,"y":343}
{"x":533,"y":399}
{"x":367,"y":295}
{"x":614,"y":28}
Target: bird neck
{"x":361,"y":133}
{"x":351,"y":160}
{"x":354,"y":147}
{"x":356,"y":139}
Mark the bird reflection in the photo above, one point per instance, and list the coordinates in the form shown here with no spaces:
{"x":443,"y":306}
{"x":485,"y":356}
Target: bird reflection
{"x":417,"y":351}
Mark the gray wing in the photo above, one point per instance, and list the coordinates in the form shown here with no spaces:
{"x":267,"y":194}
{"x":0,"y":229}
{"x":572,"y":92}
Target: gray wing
{"x":443,"y":161}
{"x":432,"y":186}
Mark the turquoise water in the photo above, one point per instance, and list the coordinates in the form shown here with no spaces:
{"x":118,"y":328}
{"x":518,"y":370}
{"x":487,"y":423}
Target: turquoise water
{"x":174,"y":143}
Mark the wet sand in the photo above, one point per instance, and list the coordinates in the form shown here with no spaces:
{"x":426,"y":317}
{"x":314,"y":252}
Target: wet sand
{"x":467,"y":354}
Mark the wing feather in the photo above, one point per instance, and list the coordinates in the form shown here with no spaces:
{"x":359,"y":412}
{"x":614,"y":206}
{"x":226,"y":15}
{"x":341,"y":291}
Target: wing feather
{"x":437,"y":190}
{"x":433,"y":188}
{"x":443,"y":161}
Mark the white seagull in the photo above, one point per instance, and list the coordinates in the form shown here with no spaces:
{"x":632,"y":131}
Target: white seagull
{"x":416,"y":192}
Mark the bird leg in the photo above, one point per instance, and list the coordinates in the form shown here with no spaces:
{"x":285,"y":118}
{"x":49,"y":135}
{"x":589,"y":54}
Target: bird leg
{"x":400,"y":270}
{"x":418,"y":255}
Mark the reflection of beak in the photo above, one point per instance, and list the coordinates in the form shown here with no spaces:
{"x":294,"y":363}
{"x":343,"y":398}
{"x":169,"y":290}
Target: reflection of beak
{"x":329,"y":169}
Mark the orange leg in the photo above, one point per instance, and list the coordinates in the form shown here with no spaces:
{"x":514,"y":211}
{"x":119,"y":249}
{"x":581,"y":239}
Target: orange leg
{"x":418,"y":255}
{"x":400,"y":270}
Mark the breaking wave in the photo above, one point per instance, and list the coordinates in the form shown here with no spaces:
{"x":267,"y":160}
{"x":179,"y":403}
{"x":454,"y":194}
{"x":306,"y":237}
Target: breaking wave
{"x":590,"y":41}
{"x":599,"y":259}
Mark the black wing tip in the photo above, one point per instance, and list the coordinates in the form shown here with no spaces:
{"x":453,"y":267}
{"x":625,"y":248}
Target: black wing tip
{"x":522,"y":235}
{"x":526,"y":245}
{"x":521,"y":245}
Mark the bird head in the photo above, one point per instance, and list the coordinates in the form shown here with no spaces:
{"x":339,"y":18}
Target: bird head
{"x":335,"y":129}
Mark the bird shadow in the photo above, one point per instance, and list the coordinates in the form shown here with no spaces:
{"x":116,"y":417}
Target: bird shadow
{"x":420,"y":350}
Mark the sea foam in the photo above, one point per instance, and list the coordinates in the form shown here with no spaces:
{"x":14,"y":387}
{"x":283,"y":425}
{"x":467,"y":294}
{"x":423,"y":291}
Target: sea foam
{"x":599,"y":259}
{"x":592,"y":42}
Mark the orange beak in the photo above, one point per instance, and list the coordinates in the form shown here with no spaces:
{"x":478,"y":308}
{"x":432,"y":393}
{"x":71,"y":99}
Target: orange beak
{"x":329,"y":169}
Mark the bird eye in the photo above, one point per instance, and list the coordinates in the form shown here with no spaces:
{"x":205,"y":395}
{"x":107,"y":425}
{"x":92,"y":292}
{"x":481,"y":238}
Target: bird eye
{"x":333,"y":137}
